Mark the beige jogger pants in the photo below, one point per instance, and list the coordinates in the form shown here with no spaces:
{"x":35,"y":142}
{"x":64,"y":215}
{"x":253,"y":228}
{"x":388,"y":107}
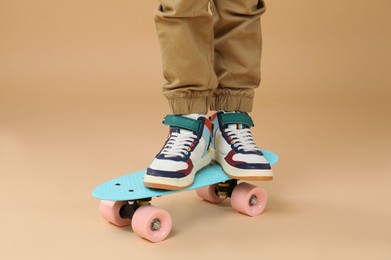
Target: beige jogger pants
{"x":211,"y":60}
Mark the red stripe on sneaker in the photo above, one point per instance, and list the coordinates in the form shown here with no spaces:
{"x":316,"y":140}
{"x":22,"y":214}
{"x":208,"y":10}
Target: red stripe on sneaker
{"x":208,"y":124}
{"x":229,"y":158}
{"x":189,"y":167}
{"x":212,"y":117}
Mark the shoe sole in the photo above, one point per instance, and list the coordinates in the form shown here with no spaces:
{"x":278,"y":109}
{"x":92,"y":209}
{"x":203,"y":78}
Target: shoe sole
{"x":235,"y":173}
{"x":177,"y":184}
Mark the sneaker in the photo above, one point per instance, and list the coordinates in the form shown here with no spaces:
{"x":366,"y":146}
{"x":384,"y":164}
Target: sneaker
{"x":234,"y":149}
{"x":185,"y":152}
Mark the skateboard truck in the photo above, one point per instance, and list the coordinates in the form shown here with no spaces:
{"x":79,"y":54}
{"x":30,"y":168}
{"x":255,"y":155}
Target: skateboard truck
{"x":224,"y":189}
{"x":128,"y":210}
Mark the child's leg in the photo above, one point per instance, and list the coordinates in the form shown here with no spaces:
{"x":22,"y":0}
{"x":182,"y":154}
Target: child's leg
{"x":237,"y":65}
{"x":185,"y":32}
{"x":238,"y":43}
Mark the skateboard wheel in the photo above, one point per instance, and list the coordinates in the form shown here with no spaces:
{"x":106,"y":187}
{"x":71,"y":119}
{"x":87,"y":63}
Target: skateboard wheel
{"x":248,"y":199}
{"x":151,"y":223}
{"x":110,"y":211}
{"x":208,"y":193}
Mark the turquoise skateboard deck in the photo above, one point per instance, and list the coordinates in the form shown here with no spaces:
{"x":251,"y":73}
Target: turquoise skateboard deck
{"x":131,"y":187}
{"x":126,"y":201}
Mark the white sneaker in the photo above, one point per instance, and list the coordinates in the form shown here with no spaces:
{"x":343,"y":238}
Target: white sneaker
{"x":234,"y":149}
{"x":185,"y":152}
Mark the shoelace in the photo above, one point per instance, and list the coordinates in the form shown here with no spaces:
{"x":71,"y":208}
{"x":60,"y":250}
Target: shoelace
{"x":242,"y":139}
{"x":179,"y":144}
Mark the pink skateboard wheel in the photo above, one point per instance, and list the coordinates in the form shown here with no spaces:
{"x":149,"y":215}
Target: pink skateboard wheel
{"x":151,"y":223}
{"x":248,"y":199}
{"x":208,"y":193}
{"x":110,"y":211}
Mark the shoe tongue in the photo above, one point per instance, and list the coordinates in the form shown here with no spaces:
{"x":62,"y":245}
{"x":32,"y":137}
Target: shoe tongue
{"x":193,"y":116}
{"x":236,"y":126}
{"x":180,"y":130}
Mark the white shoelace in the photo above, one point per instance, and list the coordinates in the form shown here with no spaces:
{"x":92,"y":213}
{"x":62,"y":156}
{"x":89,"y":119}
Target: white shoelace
{"x":179,"y":144}
{"x":242,"y":139}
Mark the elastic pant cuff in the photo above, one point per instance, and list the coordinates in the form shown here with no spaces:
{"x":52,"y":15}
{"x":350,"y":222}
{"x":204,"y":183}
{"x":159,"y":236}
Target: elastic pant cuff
{"x":182,"y":106}
{"x":232,"y":103}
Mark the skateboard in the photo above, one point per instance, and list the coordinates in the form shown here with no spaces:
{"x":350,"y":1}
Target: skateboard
{"x":126,"y":201}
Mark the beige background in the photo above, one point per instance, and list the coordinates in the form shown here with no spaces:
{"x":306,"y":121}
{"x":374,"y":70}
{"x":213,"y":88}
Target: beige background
{"x":80,"y":93}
